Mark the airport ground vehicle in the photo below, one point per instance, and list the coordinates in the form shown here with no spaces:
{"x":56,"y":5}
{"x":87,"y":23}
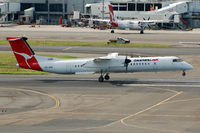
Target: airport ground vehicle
{"x":119,"y":40}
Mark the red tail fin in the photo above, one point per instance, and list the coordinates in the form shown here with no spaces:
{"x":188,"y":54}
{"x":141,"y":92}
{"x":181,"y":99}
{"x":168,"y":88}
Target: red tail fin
{"x":112,"y":17}
{"x":23,"y":53}
{"x":151,"y":8}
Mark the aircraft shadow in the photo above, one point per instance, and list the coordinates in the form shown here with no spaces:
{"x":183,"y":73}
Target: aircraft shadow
{"x":151,"y":82}
{"x":117,"y":82}
{"x":133,"y":33}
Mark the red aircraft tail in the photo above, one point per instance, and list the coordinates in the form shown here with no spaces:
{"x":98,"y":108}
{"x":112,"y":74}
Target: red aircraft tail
{"x":23,"y":53}
{"x":112,"y":16}
{"x":151,"y":8}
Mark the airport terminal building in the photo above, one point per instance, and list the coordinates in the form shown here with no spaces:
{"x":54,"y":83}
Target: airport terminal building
{"x":49,"y":11}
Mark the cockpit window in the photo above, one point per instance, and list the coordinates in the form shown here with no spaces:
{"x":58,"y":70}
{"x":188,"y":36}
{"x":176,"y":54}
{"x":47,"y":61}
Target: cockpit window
{"x":177,"y":60}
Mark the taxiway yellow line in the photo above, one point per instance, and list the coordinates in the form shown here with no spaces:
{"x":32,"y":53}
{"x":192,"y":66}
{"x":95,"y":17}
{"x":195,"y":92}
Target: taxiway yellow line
{"x":186,"y":116}
{"x":149,"y":108}
{"x":57,"y":101}
{"x":183,"y":100}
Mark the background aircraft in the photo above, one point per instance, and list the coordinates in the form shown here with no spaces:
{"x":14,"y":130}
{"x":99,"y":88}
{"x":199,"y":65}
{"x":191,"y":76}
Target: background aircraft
{"x":113,"y":63}
{"x":130,"y":24}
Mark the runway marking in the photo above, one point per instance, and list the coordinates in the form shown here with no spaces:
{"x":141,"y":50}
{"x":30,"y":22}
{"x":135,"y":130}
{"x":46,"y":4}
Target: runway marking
{"x":159,"y":85}
{"x":147,"y":109}
{"x":122,"y":121}
{"x":57,"y":101}
{"x":186,"y":116}
{"x":65,"y":49}
{"x":183,"y":100}
{"x":131,"y":115}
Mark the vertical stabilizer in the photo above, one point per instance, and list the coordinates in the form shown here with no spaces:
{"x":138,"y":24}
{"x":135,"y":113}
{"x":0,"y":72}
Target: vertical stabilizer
{"x":113,"y":20}
{"x":23,"y":53}
{"x":151,"y":8}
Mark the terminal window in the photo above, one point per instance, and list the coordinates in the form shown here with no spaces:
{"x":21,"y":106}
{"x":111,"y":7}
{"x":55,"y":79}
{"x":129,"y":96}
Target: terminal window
{"x":158,"y":6}
{"x":131,"y":7}
{"x":41,"y":7}
{"x":140,"y":7}
{"x":115,"y":6}
{"x":56,"y":8}
{"x":123,"y":6}
{"x":25,"y":6}
{"x":147,"y":6}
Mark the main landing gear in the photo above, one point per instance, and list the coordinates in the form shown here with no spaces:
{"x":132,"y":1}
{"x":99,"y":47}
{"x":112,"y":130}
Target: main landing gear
{"x":184,"y":73}
{"x":106,"y":77}
{"x":112,"y":31}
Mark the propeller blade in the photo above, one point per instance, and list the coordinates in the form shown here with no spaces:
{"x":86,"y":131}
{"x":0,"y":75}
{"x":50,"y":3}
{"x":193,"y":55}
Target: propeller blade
{"x":126,"y":63}
{"x":149,"y":26}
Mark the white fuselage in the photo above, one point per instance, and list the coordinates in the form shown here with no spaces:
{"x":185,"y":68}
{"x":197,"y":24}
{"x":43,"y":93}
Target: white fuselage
{"x":116,"y":65}
{"x":128,"y":24}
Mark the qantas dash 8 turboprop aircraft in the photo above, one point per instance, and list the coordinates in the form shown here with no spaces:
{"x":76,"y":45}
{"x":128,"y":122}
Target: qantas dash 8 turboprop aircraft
{"x":113,"y":63}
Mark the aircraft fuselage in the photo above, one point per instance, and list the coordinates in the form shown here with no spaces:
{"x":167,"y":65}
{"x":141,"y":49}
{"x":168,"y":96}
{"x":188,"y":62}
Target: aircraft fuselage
{"x":84,"y":66}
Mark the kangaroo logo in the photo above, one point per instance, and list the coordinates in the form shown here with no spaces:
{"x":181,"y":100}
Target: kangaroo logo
{"x":26,"y":57}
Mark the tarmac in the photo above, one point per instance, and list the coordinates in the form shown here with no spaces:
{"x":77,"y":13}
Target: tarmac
{"x":45,"y":32}
{"x":163,"y":102}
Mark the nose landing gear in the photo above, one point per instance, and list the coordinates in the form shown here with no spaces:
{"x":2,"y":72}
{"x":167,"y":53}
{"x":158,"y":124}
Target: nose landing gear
{"x":142,"y":32}
{"x":184,"y":73}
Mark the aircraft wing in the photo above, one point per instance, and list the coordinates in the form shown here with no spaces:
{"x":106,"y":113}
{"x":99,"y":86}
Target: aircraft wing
{"x":106,"y":58}
{"x":102,"y":62}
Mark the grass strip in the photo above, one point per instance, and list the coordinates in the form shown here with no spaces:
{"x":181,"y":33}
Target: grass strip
{"x":85,"y":43}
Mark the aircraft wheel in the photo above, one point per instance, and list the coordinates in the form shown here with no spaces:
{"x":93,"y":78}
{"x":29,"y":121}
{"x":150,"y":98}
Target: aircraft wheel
{"x":107,"y":77}
{"x":101,"y":79}
{"x":184,"y":73}
{"x":112,"y":31}
{"x":141,"y":32}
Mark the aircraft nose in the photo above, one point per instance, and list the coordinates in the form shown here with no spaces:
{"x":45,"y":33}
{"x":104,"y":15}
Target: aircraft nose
{"x":188,"y":66}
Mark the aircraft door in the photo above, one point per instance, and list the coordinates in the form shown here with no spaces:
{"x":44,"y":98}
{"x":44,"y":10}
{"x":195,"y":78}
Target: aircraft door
{"x":69,"y":68}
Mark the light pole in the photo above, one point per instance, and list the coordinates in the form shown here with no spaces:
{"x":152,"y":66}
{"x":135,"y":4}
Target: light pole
{"x":102,"y":9}
{"x":63,"y":9}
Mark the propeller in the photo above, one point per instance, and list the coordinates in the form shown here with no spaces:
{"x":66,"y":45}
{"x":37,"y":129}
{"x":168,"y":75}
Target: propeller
{"x":147,"y":19}
{"x":126,"y":63}
{"x":149,"y":26}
